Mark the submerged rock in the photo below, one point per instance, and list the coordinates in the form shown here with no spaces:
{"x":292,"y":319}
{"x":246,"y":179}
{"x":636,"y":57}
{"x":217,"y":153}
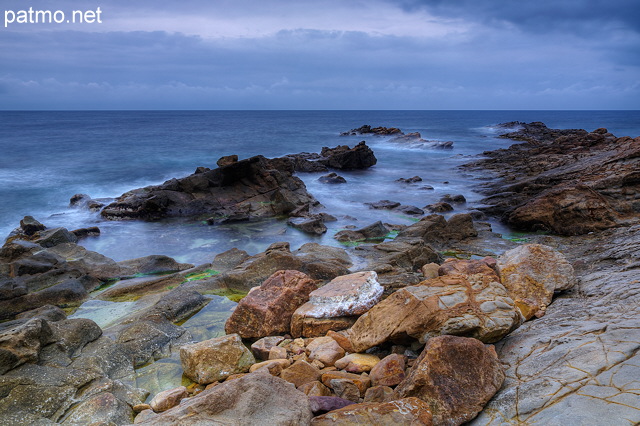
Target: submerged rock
{"x":332,"y":178}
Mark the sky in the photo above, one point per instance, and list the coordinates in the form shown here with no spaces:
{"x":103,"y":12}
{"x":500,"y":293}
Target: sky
{"x":321,"y":54}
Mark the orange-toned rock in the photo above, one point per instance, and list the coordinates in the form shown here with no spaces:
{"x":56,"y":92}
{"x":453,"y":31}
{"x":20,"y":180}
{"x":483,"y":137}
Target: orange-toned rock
{"x":168,"y":399}
{"x":315,"y":388}
{"x":475,"y":306}
{"x":363,"y":382}
{"x":467,"y":267}
{"x":326,"y":350}
{"x":342,"y":337}
{"x":535,"y":272}
{"x":389,"y":371}
{"x":455,"y":376}
{"x":406,"y":411}
{"x":300,"y":372}
{"x":379,"y":394}
{"x":267,"y":310}
{"x":357,"y":363}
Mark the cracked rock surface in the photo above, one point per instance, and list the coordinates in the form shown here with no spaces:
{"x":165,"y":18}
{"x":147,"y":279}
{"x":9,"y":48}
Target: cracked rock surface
{"x":580,"y":363}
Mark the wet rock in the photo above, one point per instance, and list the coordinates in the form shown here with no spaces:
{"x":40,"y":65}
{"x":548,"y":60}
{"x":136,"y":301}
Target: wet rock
{"x":414,"y":179}
{"x":84,"y":201}
{"x":267,"y":310}
{"x":30,"y":225}
{"x":235,"y":403}
{"x":453,"y":199}
{"x":440,"y":207}
{"x":253,"y":187}
{"x":455,"y":376}
{"x":474,"y":306}
{"x":532,"y":273}
{"x":410,"y":210}
{"x":332,"y":178}
{"x":227,"y":160}
{"x":383,"y":205}
{"x":375,"y":231}
{"x":389,"y":371}
{"x":311,"y":225}
{"x":345,"y":296}
{"x":153,"y":264}
{"x":215,"y":359}
{"x":92,"y":231}
{"x":406,"y":411}
{"x":344,"y":158}
{"x":168,"y":399}
{"x":300,"y":373}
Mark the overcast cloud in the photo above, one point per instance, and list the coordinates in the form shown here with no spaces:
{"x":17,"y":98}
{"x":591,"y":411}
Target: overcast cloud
{"x":326,"y":54}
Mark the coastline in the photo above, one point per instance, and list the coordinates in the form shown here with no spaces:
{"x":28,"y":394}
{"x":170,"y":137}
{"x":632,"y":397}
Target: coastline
{"x":593,"y":251}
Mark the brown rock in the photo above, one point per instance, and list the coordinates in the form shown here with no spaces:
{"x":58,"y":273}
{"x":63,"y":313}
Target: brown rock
{"x":363,"y":382}
{"x":535,"y":272}
{"x":430,"y":270}
{"x":379,"y":394}
{"x":226,"y":160}
{"x":455,"y":376}
{"x":300,"y":372}
{"x":473,"y":306}
{"x":342,"y":337}
{"x":345,"y":389}
{"x":406,"y":411}
{"x":215,"y":359}
{"x":318,"y":327}
{"x":267,"y":310}
{"x":138,"y":408}
{"x":168,"y":399}
{"x":326,"y":350}
{"x":315,"y":388}
{"x":389,"y":371}
{"x":278,"y":352}
{"x":467,"y":267}
{"x":357,"y":363}
{"x":274,"y":367}
{"x":260,"y":348}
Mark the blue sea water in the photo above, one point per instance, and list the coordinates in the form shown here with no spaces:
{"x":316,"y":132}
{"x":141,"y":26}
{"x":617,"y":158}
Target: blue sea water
{"x":46,"y":157}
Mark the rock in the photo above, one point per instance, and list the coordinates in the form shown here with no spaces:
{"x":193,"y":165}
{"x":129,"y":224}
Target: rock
{"x":342,"y":338}
{"x":315,"y":388}
{"x":345,"y":296}
{"x":273,"y":366}
{"x":534,"y":272}
{"x":383,"y":205}
{"x":300,"y":373}
{"x":153,"y":264}
{"x":414,"y":179}
{"x":379,"y":394}
{"x":168,"y":399}
{"x":277,"y":352}
{"x":430,"y":270}
{"x":227,"y":160}
{"x":84,"y":201}
{"x":569,"y":182}
{"x":344,"y":158}
{"x":323,"y":404}
{"x":406,"y":411}
{"x":254,"y":187}
{"x":469,"y":267}
{"x":138,"y":408}
{"x":235,"y":403}
{"x":367,"y":129}
{"x":475,"y":306}
{"x":345,"y":389}
{"x":215,"y":359}
{"x":46,"y":312}
{"x":332,"y":178}
{"x":455,"y":199}
{"x":30,"y":225}
{"x":357,"y":363}
{"x":410,"y":210}
{"x":267,"y":310}
{"x":440,"y":207}
{"x":326,"y":350}
{"x":389,"y":371}
{"x":144,"y":416}
{"x":261,"y":347}
{"x":54,"y":236}
{"x":311,"y":225}
{"x":23,"y":343}
{"x":92,"y":231}
{"x":455,"y":376}
{"x":373,"y":231}
{"x":363,"y":382}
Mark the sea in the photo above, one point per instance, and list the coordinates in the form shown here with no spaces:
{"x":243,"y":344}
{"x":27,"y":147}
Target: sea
{"x":47,"y":157}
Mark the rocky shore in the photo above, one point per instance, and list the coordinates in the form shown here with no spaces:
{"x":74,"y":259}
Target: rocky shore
{"x":440,"y":322}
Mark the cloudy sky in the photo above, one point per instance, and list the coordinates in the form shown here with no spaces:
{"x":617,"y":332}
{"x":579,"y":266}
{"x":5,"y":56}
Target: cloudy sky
{"x":324,"y":54}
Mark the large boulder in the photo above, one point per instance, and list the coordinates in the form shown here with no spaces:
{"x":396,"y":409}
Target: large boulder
{"x":345,"y":296}
{"x":252,"y":399}
{"x":406,"y":411}
{"x":532,"y":273}
{"x":476,"y":306}
{"x":215,"y":359}
{"x":344,"y":158}
{"x":248,"y":188}
{"x":267,"y":310}
{"x":455,"y":376}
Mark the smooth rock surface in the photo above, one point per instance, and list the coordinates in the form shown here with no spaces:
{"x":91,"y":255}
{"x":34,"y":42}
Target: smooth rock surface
{"x":215,"y":359}
{"x":406,"y":411}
